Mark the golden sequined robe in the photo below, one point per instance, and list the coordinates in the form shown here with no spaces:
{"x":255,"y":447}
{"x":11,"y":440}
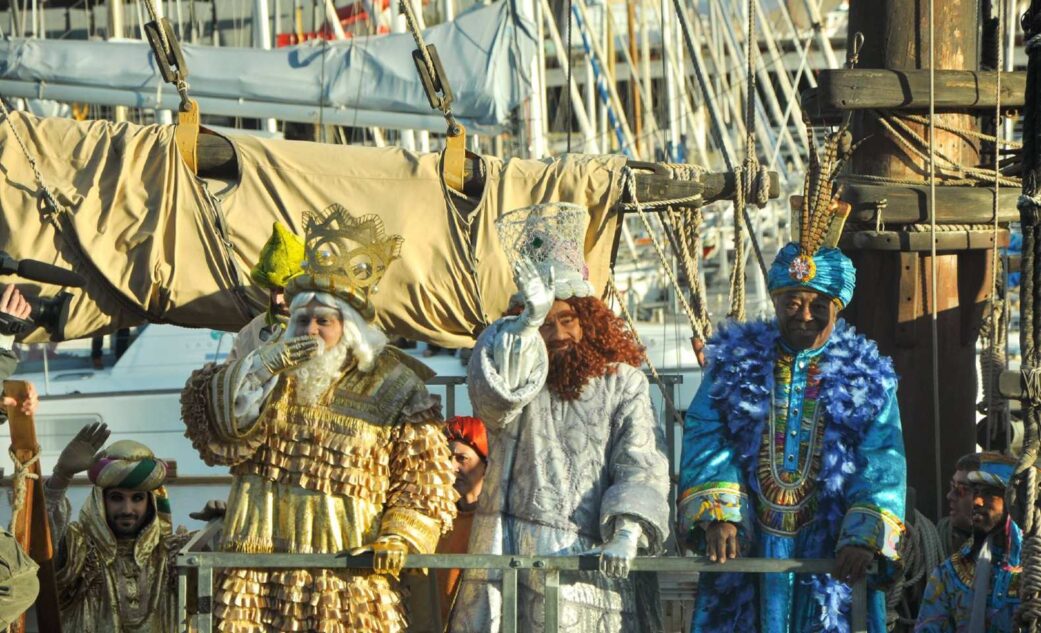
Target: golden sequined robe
{"x":107,"y":585}
{"x":368,"y":460}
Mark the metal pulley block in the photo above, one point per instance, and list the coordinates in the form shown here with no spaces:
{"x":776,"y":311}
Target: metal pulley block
{"x":168,"y":55}
{"x":434,"y":79}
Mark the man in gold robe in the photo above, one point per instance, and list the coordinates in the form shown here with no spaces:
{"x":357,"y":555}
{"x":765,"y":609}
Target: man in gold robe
{"x":334,"y":444}
{"x":116,"y":565}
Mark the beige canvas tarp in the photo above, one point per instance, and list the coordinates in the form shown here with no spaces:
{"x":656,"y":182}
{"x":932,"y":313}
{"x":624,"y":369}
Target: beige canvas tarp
{"x":156,"y":253}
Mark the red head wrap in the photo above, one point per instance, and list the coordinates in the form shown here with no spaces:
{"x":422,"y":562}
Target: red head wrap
{"x":469,"y":431}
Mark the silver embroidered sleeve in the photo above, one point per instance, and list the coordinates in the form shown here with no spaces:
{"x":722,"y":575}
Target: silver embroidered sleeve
{"x":493,"y":400}
{"x":639,"y":469}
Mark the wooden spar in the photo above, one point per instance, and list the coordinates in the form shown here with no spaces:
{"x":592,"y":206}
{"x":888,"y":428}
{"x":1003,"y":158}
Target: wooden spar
{"x":217,"y":160}
{"x":32,"y":530}
{"x":865,"y":88}
{"x":892,"y":304}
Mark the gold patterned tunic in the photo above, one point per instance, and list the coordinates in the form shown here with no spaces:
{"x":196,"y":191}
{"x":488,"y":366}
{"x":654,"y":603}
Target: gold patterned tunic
{"x":368,"y":460}
{"x":107,"y":585}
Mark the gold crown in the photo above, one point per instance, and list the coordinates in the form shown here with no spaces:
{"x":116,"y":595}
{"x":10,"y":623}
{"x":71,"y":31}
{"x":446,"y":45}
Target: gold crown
{"x":346,"y":256}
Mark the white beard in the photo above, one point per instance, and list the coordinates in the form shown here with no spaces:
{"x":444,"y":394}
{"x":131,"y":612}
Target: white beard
{"x":315,"y":376}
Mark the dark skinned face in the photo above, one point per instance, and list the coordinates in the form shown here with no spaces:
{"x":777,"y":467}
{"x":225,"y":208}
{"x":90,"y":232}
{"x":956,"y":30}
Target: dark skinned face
{"x":988,"y":508}
{"x":127,"y":511}
{"x":806,"y":318}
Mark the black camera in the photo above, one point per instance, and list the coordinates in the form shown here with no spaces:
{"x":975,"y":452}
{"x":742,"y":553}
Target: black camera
{"x":45,"y":312}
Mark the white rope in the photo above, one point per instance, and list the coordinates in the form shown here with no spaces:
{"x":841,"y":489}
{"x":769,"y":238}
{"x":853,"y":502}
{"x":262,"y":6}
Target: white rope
{"x":18,"y":482}
{"x":934,"y":322}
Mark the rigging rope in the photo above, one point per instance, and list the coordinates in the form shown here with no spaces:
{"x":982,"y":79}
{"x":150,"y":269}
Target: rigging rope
{"x":629,"y":178}
{"x":907,"y":139}
{"x":18,"y":483}
{"x":933,"y":266}
{"x":570,"y":65}
{"x":991,"y":364}
{"x":612,"y":290}
{"x":1021,"y":496}
{"x":749,"y":172}
{"x":921,"y":550}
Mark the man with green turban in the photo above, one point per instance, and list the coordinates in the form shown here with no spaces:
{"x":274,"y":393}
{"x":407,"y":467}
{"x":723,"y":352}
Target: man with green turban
{"x":280,"y":259}
{"x":116,"y":565}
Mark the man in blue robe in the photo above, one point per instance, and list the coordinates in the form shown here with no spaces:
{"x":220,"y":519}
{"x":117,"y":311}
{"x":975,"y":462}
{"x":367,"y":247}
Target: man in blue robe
{"x":792,"y":448}
{"x":976,"y":590}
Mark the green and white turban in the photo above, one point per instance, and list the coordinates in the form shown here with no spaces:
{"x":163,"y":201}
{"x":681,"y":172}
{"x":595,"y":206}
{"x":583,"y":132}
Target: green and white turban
{"x":132,"y":465}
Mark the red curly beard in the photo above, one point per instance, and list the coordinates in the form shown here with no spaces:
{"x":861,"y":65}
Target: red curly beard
{"x":606,"y":341}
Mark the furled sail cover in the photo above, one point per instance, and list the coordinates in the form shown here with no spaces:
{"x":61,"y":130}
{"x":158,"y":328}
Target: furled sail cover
{"x":486,"y":51}
{"x":151,"y":231}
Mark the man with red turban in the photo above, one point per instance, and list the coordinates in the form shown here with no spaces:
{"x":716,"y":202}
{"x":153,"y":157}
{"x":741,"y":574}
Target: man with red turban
{"x":468,"y":441}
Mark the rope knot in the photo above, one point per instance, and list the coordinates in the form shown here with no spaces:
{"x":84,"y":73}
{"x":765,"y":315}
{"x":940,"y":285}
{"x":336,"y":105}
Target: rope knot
{"x":18,"y":483}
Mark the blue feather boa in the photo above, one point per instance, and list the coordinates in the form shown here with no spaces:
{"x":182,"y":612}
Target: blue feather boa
{"x":855,"y":384}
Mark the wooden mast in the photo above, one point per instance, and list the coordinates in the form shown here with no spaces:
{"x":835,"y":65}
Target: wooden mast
{"x":893,"y":302}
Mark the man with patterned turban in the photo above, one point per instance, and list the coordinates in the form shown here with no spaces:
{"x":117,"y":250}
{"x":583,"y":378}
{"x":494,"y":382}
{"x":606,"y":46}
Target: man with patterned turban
{"x":280,"y":259}
{"x":577,"y":462}
{"x":977,"y":589}
{"x":792,"y":448}
{"x":334,"y":444}
{"x":116,"y":565}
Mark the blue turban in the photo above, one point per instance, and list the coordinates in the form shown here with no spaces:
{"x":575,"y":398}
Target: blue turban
{"x":995,"y":470}
{"x":828,"y":272}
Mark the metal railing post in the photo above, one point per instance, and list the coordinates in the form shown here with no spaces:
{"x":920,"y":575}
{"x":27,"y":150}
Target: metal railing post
{"x":183,"y":617}
{"x":205,"y":593}
{"x":509,"y":599}
{"x":449,"y":400}
{"x":551,"y":601}
{"x":859,"y":609}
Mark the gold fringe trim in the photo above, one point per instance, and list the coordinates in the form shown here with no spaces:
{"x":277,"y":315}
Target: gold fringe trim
{"x":419,"y":531}
{"x":306,"y":600}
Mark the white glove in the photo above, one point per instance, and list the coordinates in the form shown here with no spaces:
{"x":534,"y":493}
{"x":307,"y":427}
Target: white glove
{"x":538,"y":298}
{"x":617,"y":554}
{"x":511,"y":358}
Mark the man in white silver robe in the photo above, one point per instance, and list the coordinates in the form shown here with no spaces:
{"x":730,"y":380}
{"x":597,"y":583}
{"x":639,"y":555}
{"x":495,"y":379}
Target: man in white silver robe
{"x":576,"y":462}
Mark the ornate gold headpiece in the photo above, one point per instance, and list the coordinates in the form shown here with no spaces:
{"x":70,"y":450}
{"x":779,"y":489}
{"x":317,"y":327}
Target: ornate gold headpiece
{"x":346,"y":256}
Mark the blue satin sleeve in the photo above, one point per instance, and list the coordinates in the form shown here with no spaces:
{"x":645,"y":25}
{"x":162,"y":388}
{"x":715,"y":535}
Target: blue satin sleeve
{"x":711,"y":484}
{"x":936,"y":615}
{"x":877,"y":490}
